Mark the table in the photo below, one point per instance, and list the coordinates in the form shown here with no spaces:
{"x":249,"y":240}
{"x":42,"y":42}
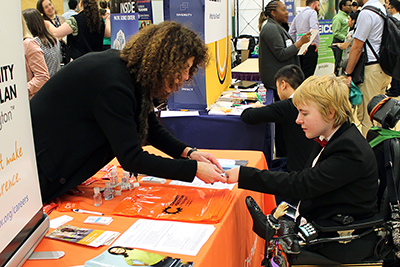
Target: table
{"x":233,"y":243}
{"x":247,"y":70}
{"x":222,"y":132}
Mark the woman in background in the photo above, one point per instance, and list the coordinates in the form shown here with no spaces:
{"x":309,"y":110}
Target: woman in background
{"x":36,"y":69}
{"x":85,"y":30}
{"x":47,"y":42}
{"x":277,"y":48}
{"x":46,"y":8}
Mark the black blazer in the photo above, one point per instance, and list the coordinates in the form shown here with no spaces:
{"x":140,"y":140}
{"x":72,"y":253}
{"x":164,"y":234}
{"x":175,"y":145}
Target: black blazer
{"x":343,"y":181}
{"x":87,"y":114}
{"x":298,"y":146}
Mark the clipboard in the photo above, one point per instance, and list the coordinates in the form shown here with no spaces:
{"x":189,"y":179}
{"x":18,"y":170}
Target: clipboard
{"x":244,"y":84}
{"x":306,"y":45}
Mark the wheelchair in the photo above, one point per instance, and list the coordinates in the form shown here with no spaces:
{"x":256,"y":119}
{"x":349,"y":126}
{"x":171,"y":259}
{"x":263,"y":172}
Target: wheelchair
{"x":345,"y":232}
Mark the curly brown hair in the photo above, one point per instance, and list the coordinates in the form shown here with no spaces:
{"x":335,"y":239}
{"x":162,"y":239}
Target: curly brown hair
{"x":158,"y":55}
{"x":92,"y":15}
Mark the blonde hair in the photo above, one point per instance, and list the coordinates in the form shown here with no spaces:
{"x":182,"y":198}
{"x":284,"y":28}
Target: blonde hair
{"x":327,"y":93}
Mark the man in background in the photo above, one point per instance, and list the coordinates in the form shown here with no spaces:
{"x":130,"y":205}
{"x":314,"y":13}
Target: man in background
{"x":303,"y":23}
{"x":72,"y":4}
{"x":339,"y":30}
{"x":369,"y":28}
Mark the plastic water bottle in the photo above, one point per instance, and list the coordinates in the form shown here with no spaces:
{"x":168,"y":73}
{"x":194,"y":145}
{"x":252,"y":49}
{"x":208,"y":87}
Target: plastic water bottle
{"x":262,"y":92}
{"x":108,"y":192}
{"x":125,"y":185}
{"x":114,"y":177}
{"x":97,"y":197}
{"x":236,"y":94}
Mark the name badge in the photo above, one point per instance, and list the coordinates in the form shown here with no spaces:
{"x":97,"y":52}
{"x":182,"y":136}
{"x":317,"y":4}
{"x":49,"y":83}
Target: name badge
{"x":288,"y":42}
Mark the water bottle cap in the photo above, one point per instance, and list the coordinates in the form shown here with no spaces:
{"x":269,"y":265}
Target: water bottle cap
{"x":96,"y":190}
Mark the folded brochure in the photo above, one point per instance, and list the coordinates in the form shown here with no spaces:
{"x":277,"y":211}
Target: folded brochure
{"x":83,"y":236}
{"x":123,"y":256}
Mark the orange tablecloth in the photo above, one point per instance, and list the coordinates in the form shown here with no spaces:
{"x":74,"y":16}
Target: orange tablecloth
{"x":233,"y":243}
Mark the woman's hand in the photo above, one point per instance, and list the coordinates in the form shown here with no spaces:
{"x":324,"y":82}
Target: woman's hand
{"x":206,"y":157}
{"x":233,"y":175}
{"x":209,"y":173}
{"x":304,"y":39}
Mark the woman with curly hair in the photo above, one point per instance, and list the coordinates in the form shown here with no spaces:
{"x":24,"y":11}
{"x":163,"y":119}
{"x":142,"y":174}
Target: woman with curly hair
{"x":100,"y":106}
{"x":85,"y":31}
{"x":47,"y":42}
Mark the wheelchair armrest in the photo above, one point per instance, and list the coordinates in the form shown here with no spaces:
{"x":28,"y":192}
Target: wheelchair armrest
{"x":328,"y":225}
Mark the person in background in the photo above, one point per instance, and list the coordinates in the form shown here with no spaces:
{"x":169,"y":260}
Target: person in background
{"x":303,"y":22}
{"x":72,"y":4}
{"x":285,"y":113}
{"x":36,"y":69}
{"x":46,"y":8}
{"x":341,"y":176}
{"x":104,"y":12}
{"x":100,"y":106}
{"x":47,"y":42}
{"x":276,"y":50}
{"x":339,"y":30}
{"x":393,"y":6}
{"x":354,"y":6}
{"x":85,"y":30}
{"x":348,"y":42}
{"x":369,"y":27}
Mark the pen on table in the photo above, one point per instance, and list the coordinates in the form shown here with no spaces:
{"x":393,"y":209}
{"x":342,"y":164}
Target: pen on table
{"x":87,"y":211}
{"x":259,"y":98}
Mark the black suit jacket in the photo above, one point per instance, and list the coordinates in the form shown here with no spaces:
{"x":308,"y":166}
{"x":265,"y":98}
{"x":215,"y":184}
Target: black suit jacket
{"x":343,"y":181}
{"x":298,"y":146}
{"x":87,"y":114}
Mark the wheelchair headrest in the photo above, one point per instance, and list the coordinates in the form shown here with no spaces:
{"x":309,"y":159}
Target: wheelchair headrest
{"x":384,"y":110}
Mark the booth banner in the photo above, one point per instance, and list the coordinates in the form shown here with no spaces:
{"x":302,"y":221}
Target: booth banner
{"x":19,"y":187}
{"x":145,"y":13}
{"x":124,"y":22}
{"x":210,"y":20}
{"x":123,"y":6}
{"x":123,"y":26}
{"x":326,"y":61}
{"x":290,"y":6}
{"x":327,"y":10}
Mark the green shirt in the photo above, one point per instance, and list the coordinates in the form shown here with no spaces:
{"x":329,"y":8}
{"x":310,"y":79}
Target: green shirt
{"x":339,"y":25}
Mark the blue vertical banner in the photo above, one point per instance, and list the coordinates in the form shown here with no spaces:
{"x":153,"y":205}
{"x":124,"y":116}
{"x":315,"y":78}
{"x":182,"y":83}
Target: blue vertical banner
{"x":326,"y":61}
{"x":193,"y":95}
{"x":290,"y":6}
{"x":211,"y":21}
{"x":124,"y":22}
{"x":145,"y":13}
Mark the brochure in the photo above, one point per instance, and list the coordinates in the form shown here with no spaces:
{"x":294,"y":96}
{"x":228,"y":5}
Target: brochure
{"x":83,"y":236}
{"x":117,"y":256}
